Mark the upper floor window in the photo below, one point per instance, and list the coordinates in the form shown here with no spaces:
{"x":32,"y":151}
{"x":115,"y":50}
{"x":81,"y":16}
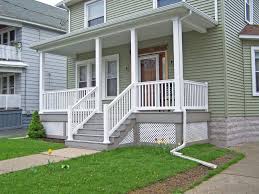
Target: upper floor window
{"x":94,"y":13}
{"x":161,"y":3}
{"x":249,"y":11}
{"x":7,"y":37}
{"x":255,"y":70}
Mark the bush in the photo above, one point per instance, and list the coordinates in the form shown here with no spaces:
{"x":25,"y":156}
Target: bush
{"x":36,"y":129}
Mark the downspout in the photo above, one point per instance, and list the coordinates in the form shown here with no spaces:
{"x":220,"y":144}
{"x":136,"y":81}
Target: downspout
{"x":68,"y":10}
{"x":176,"y":150}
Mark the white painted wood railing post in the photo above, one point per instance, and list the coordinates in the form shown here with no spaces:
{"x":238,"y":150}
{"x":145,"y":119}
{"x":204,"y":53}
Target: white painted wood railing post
{"x":106,"y":125}
{"x":207,"y":97}
{"x":98,"y":62}
{"x":69,"y":124}
{"x":41,"y":82}
{"x":178,"y":63}
{"x":134,"y":65}
{"x":6,"y":102}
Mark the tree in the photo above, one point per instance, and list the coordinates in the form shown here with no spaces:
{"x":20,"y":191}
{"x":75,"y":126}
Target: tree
{"x":36,"y":129}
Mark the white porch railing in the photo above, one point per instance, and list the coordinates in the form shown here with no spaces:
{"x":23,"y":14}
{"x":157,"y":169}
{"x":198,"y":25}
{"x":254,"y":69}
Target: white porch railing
{"x":59,"y":101}
{"x":155,"y":95}
{"x":81,"y":112}
{"x":195,"y":95}
{"x":10,"y":101}
{"x":10,"y":53}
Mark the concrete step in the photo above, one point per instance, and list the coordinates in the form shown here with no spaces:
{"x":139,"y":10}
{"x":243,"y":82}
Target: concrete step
{"x":88,"y":145}
{"x":90,"y":131}
{"x":90,"y":137}
{"x":89,"y":125}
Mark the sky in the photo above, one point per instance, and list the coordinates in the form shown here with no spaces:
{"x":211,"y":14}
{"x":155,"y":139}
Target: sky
{"x":51,"y":2}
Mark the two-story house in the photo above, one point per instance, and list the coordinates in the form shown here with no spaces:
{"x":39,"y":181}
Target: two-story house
{"x":21,"y":24}
{"x":135,"y":68}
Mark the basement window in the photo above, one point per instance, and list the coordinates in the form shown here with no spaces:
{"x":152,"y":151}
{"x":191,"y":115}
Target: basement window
{"x":249,"y":11}
{"x":94,"y":13}
{"x":255,"y":70}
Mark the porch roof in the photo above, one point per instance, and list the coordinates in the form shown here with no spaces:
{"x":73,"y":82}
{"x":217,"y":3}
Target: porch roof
{"x":117,"y":30}
{"x":12,"y":66}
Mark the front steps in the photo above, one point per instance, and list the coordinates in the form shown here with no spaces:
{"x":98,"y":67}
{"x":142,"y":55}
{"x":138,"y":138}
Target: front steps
{"x":91,"y":135}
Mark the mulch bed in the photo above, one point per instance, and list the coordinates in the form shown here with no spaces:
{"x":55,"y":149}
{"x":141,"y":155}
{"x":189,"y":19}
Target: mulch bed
{"x":182,"y":180}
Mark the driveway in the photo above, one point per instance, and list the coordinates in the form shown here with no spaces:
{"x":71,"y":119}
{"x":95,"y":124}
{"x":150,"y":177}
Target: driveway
{"x":241,"y":178}
{"x":13,"y":133}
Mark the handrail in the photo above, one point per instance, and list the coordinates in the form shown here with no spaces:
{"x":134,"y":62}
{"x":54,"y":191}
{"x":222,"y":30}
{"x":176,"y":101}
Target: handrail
{"x":117,"y":112}
{"x":67,"y":90}
{"x":81,"y":112}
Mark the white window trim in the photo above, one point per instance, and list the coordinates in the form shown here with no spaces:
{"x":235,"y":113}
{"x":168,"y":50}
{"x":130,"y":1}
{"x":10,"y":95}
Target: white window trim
{"x":103,"y":85}
{"x":8,"y":30}
{"x":251,"y":12}
{"x":253,"y":50}
{"x":155,"y":4}
{"x":86,"y":13}
{"x":8,"y":82}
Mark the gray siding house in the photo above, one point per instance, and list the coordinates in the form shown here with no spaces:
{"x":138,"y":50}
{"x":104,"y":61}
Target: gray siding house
{"x":148,"y":71}
{"x":21,"y":24}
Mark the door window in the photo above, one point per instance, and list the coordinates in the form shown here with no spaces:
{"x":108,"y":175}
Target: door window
{"x":111,"y":78}
{"x":149,"y":68}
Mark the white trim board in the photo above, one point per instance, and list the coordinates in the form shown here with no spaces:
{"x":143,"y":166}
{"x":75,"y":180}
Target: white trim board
{"x":249,"y":37}
{"x":253,"y":50}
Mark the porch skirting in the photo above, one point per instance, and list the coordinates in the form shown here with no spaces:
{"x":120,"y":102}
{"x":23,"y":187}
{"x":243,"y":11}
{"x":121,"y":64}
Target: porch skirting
{"x":228,"y":132}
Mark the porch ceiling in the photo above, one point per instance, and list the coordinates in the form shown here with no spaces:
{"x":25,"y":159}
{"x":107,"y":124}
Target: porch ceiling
{"x":149,"y":24}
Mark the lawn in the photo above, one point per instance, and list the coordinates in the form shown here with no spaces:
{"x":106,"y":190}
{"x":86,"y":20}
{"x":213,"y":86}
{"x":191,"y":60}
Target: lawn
{"x":116,"y":171}
{"x":11,"y":148}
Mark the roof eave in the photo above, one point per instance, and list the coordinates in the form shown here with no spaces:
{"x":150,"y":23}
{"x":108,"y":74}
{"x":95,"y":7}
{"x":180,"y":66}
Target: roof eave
{"x":249,"y":37}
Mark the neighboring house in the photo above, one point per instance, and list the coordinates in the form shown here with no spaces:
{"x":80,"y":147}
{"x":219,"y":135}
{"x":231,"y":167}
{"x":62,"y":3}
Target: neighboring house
{"x":135,"y":57}
{"x":21,"y":24}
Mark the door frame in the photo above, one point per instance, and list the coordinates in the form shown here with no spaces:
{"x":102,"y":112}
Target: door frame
{"x":149,"y":56}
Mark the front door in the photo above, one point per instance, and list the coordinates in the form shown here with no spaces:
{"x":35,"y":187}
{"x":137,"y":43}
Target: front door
{"x":149,"y":68}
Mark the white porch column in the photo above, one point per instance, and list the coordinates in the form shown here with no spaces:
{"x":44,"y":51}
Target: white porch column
{"x":178,"y":63}
{"x":134,"y":64}
{"x":41,"y":82}
{"x":98,"y":63}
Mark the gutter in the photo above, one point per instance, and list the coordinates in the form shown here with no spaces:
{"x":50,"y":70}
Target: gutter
{"x":176,"y":150}
{"x":32,"y":23}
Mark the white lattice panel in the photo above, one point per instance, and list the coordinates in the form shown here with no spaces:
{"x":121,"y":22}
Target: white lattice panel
{"x":129,"y":138}
{"x":157,"y":132}
{"x":196,"y":132}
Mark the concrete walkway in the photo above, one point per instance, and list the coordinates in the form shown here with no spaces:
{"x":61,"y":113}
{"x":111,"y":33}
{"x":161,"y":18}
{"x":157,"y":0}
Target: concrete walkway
{"x":21,"y":163}
{"x":241,"y":178}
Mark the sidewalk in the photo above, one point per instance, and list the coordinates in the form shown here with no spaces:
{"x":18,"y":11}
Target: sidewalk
{"x":241,"y":178}
{"x":21,"y":163}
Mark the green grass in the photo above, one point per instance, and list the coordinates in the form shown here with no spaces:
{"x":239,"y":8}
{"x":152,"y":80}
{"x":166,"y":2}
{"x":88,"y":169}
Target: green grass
{"x":11,"y":148}
{"x":116,"y":171}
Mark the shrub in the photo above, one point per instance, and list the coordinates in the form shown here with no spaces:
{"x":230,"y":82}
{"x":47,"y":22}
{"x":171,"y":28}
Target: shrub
{"x":36,"y":129}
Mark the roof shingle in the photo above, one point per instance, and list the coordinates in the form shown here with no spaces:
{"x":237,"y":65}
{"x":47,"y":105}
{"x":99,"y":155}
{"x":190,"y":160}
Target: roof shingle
{"x":250,"y":30}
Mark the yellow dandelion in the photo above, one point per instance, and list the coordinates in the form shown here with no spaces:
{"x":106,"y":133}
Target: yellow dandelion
{"x":50,"y":151}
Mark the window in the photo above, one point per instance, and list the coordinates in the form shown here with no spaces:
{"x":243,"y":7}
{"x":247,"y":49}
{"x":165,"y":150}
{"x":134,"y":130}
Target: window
{"x":7,"y":37}
{"x":82,"y":76}
{"x":255,"y":70}
{"x":161,"y":3}
{"x":249,"y":11}
{"x":7,"y":84}
{"x":94,"y":13}
{"x":111,"y":78}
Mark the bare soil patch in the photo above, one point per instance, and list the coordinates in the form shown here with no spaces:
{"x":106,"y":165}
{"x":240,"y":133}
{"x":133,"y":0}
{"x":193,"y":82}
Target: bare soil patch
{"x":183,"y":180}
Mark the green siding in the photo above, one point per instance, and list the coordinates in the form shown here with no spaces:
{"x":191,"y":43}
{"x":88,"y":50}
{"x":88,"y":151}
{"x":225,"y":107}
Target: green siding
{"x":118,"y":8}
{"x":71,"y":82}
{"x":234,"y":23}
{"x":204,"y":61}
{"x":251,"y":102}
{"x":77,"y":16}
{"x":206,"y":6}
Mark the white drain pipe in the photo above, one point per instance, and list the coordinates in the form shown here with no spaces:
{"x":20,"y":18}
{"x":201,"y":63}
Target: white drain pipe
{"x":176,"y":152}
